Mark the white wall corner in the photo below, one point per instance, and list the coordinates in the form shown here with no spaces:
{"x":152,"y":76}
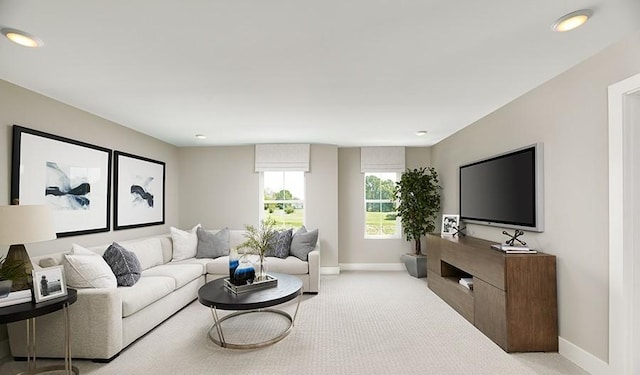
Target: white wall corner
{"x":582,"y":358}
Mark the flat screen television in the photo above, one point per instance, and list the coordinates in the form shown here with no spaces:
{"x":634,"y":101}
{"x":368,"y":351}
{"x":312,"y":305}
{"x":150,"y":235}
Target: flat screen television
{"x":504,"y":190}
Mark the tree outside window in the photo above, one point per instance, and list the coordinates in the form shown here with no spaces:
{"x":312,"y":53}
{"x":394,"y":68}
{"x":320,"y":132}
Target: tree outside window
{"x":380,"y":213}
{"x":283,"y":198}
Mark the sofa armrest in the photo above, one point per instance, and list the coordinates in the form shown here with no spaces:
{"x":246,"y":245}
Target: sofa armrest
{"x":314,"y":270}
{"x":95,"y":326}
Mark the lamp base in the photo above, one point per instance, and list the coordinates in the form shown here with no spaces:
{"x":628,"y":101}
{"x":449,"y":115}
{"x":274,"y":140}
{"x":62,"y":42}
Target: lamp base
{"x":19,"y":253}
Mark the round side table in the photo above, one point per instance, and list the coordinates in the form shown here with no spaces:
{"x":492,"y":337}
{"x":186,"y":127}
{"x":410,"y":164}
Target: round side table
{"x":30,"y":311}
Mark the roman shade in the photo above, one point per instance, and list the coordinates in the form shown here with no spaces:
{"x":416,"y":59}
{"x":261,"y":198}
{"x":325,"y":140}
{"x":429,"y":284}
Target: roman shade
{"x":282,"y":157}
{"x":382,"y":159}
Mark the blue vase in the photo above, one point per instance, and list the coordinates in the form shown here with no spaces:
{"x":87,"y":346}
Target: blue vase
{"x":244,"y":274}
{"x":233,"y":263}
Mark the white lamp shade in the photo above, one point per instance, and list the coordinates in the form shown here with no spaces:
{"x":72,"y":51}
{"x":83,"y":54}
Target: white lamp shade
{"x":26,"y":224}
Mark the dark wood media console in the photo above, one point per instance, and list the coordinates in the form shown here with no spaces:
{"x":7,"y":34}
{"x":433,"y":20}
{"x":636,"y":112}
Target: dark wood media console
{"x":514,"y":297}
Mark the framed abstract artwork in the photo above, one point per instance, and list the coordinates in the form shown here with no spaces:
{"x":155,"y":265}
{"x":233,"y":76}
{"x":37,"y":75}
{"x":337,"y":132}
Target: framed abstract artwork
{"x":72,"y":177}
{"x":139,"y":191}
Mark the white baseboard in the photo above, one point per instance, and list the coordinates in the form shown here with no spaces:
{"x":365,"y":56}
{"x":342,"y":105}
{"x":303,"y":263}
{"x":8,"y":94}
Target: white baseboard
{"x":582,"y":358}
{"x":329,"y":270}
{"x":371,"y":267}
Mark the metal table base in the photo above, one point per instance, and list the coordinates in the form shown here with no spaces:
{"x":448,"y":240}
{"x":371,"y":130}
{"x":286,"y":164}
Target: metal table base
{"x":217,"y":335}
{"x":32,"y":368}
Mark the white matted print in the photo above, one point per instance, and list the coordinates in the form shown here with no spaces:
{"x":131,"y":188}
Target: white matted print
{"x":49,"y":283}
{"x":139,"y":186}
{"x":449,"y":224}
{"x":72,"y":177}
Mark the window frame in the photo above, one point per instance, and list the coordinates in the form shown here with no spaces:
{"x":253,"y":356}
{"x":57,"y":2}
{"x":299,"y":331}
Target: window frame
{"x":262,"y":201}
{"x":398,"y":224}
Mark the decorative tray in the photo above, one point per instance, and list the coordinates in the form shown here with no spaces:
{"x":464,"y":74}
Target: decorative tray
{"x":270,"y":282}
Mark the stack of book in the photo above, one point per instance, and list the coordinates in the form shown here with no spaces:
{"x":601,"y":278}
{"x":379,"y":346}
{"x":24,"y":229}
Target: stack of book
{"x":467,"y":282}
{"x":513,"y":249}
{"x":15,"y":298}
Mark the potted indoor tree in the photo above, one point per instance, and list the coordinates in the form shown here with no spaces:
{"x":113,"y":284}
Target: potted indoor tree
{"x":418,"y":196}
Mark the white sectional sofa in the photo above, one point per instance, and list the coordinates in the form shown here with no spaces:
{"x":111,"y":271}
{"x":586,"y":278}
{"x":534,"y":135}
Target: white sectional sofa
{"x":104,"y":321}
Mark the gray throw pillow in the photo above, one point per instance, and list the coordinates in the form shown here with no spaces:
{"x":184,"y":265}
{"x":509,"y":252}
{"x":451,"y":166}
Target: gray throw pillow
{"x":123,"y":263}
{"x":303,"y":243}
{"x":212,"y":245}
{"x":280,"y":244}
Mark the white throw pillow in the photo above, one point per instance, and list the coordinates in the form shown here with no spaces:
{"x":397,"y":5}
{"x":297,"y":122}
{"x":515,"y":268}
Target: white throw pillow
{"x":86,"y":269}
{"x":148,"y":251}
{"x":79,"y":250}
{"x":185,"y":243}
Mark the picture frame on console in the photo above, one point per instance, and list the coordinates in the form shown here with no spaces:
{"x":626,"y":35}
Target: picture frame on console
{"x":49,"y":283}
{"x":449,"y":224}
{"x":71,"y":176}
{"x":139,"y":191}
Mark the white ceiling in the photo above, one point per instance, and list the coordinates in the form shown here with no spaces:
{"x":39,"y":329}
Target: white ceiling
{"x":344,"y":72}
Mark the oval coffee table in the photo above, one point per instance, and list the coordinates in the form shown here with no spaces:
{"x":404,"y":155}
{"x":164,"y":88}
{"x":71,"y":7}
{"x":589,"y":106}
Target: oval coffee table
{"x":215,"y":296}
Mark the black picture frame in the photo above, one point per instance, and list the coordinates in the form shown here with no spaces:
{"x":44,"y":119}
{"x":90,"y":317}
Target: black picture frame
{"x":73,"y":177}
{"x":139,"y":185}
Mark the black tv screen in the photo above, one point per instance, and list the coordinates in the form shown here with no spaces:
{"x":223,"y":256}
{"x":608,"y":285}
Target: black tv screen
{"x":504,"y":190}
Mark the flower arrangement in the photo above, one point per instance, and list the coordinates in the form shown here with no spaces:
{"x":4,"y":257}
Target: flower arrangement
{"x":258,"y":242}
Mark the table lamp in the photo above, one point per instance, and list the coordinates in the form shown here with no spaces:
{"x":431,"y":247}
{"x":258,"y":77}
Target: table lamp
{"x":20,"y":225}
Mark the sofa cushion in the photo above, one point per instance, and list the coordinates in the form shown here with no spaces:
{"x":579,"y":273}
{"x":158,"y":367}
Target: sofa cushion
{"x":148,"y":251}
{"x":147,"y":290}
{"x":182,"y":273}
{"x":185,"y":243}
{"x":280,"y":244}
{"x":85,"y":269}
{"x":290,"y":265}
{"x":123,"y":263}
{"x":218,"y":266}
{"x":236,"y":238}
{"x":303,"y":242}
{"x":212,"y":245}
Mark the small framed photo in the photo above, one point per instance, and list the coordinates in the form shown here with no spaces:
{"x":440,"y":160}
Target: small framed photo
{"x":449,"y":224}
{"x":49,"y":283}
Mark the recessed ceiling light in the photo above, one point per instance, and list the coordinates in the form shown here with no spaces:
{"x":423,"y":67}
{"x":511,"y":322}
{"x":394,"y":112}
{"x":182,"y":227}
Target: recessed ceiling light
{"x":420,"y":133}
{"x":572,"y":20}
{"x":22,"y":38}
{"x":201,"y":136}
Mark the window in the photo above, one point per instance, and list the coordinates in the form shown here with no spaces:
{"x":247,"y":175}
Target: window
{"x":283,"y":198}
{"x":381,"y":219}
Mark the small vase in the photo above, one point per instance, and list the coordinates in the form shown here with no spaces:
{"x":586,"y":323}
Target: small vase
{"x":245,"y":273}
{"x":261,"y":269}
{"x":233,"y":263}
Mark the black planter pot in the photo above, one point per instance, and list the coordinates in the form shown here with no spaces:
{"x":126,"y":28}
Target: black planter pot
{"x":416,"y":265}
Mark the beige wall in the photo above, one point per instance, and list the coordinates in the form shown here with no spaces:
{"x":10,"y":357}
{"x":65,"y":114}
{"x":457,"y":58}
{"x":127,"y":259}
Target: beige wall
{"x":219,"y":188}
{"x":26,"y":108}
{"x":354,"y":248}
{"x":569,"y":115}
{"x":29,"y":109}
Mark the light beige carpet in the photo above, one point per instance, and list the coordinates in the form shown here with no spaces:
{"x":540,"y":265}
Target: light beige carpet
{"x":360,"y":323}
